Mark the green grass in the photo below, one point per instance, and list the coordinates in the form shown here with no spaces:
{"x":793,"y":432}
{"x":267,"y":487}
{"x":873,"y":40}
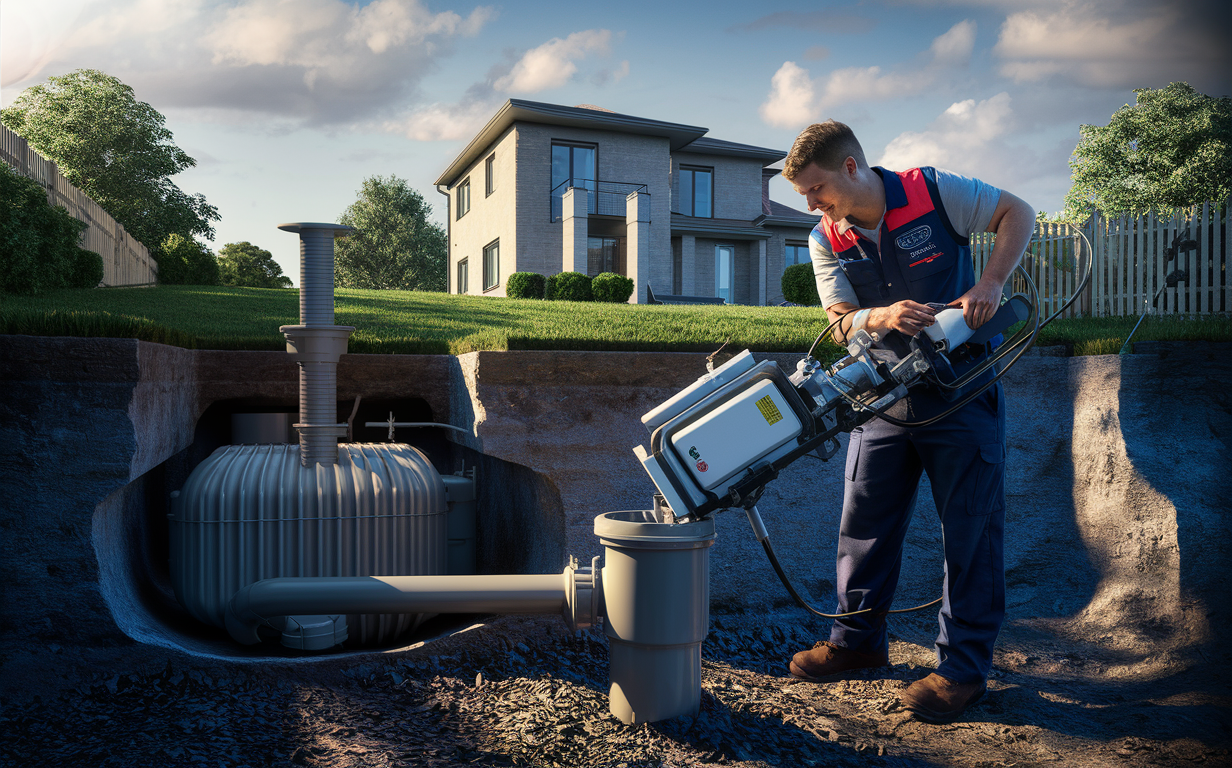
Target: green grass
{"x":1105,"y":335}
{"x":407,"y":322}
{"x":410,"y":322}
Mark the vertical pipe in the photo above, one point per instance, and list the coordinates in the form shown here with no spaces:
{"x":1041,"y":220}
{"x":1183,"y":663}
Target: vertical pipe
{"x":317,"y":343}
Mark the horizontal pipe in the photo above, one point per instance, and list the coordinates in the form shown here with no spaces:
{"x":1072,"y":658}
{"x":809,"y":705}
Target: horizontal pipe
{"x":255,"y":604}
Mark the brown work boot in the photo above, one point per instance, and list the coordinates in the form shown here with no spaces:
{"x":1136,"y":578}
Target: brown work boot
{"x":936,"y":699}
{"x":826,"y":660}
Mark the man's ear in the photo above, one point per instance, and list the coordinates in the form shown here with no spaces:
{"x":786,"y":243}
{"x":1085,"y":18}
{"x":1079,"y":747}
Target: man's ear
{"x":851,"y":167}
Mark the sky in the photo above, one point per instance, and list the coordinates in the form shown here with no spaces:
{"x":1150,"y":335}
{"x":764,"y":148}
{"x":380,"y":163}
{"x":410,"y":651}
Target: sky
{"x":288,"y":105}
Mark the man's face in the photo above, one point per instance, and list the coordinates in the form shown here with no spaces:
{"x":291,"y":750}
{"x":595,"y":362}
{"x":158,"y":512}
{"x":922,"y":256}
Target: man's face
{"x":828,"y":192}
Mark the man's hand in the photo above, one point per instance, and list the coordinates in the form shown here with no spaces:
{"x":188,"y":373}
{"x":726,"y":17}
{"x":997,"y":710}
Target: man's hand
{"x":979,"y":304}
{"x":905,"y":317}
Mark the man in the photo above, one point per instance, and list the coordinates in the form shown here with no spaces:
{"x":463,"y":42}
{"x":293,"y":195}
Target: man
{"x":887,"y":245}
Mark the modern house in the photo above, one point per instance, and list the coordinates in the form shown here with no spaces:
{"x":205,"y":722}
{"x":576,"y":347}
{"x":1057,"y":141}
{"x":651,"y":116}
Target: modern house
{"x":547,"y":188}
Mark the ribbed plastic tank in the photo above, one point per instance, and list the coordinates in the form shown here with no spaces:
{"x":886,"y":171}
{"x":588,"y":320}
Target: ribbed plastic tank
{"x":253,"y":512}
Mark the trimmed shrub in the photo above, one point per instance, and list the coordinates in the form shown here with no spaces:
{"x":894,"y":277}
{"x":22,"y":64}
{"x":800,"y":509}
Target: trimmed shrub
{"x":525,"y":285}
{"x":568,"y":286}
{"x":38,"y":241}
{"x":609,"y":286}
{"x":87,"y":271}
{"x":800,"y":286}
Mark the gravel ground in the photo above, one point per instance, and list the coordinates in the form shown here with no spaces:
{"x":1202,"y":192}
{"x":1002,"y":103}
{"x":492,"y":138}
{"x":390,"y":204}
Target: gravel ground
{"x":526,"y":692}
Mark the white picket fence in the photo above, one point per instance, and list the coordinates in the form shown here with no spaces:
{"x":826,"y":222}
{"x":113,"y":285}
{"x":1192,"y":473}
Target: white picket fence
{"x":1134,"y":260}
{"x":125,"y":260}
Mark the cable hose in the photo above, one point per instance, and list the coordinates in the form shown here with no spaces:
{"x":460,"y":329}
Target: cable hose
{"x":774,"y":561}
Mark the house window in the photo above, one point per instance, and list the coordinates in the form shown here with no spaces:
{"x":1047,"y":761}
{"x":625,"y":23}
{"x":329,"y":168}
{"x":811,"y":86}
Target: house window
{"x":489,"y":175}
{"x":696,"y":191}
{"x":491,"y":265}
{"x":464,"y":197}
{"x":463,"y":277}
{"x":573,"y":165}
{"x":724,"y":270}
{"x":601,"y":255}
{"x":797,"y":253}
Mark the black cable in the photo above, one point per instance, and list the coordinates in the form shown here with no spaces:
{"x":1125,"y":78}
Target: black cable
{"x":774,"y":561}
{"x":828,"y":331}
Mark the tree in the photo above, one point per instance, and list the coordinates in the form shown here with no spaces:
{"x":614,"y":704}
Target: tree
{"x":394,"y":245}
{"x":187,"y":262}
{"x":244,"y":264}
{"x":116,"y":150}
{"x":1171,"y":149}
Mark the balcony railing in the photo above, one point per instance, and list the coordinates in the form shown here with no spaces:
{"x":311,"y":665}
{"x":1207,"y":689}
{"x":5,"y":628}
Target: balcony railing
{"x":606,"y":198}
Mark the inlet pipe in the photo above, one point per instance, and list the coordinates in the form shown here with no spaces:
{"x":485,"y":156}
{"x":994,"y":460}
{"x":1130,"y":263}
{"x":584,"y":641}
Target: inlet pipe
{"x":317,"y":343}
{"x":653,"y":593}
{"x":575,"y":594}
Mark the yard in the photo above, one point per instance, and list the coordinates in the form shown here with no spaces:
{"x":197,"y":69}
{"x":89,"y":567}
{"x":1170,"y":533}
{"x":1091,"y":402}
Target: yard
{"x":411,"y":322}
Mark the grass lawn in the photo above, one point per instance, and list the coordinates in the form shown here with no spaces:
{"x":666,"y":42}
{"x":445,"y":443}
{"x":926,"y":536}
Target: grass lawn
{"x":411,"y":322}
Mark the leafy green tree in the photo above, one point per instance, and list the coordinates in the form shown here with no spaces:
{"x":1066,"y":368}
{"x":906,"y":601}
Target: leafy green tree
{"x":395,"y":245}
{"x":1171,"y":149}
{"x":187,"y":262}
{"x":115,"y":149}
{"x":246,"y":265}
{"x":38,"y":241}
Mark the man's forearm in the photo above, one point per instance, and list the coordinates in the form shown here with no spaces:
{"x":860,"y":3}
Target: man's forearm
{"x":1013,"y":229}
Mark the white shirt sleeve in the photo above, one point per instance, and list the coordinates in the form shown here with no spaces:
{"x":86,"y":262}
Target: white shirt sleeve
{"x":833,"y":287}
{"x":969,"y":203}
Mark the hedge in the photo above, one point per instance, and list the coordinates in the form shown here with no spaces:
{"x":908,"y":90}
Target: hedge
{"x":799,"y":285}
{"x":611,"y":287}
{"x":525,"y":285}
{"x":568,"y":286}
{"x":38,"y":241}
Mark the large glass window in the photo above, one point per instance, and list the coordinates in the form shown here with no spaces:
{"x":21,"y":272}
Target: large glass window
{"x":573,"y":165}
{"x":463,"y":196}
{"x":696,"y":191}
{"x":491,"y":265}
{"x":797,"y":253}
{"x":601,"y":255}
{"x":464,"y":278}
{"x":724,"y":271}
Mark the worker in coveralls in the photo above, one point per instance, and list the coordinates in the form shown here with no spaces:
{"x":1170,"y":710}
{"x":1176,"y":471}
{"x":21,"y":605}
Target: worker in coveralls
{"x":889,"y":244}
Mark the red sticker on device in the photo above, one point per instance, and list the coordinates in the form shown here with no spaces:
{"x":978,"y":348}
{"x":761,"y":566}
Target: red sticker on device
{"x":702,"y":466}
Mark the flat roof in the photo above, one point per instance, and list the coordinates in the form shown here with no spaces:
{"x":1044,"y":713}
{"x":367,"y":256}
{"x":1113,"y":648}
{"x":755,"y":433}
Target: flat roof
{"x":708,"y":146}
{"x":677,"y":134}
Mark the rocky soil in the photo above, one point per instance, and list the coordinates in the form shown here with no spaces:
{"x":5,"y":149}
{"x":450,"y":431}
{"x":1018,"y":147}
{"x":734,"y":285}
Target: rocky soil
{"x":526,"y":692}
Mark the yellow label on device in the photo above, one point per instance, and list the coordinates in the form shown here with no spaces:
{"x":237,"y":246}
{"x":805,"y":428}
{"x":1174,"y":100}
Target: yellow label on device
{"x":769,"y":410}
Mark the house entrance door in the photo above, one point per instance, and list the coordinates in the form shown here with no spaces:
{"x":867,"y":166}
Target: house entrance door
{"x":603,"y":255}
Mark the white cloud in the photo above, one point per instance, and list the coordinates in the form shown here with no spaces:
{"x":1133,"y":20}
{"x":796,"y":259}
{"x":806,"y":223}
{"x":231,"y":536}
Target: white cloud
{"x":552,"y":64}
{"x":956,"y":45}
{"x":444,"y":122}
{"x":317,"y":61}
{"x":790,"y":103}
{"x":796,"y":98}
{"x":974,"y":138}
{"x":1119,"y":44}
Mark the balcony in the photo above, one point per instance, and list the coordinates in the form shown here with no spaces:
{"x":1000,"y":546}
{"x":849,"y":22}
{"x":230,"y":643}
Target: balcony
{"x":606,"y":198}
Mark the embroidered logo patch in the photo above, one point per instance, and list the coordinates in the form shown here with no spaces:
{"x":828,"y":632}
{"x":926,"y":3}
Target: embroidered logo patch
{"x":915,"y":237}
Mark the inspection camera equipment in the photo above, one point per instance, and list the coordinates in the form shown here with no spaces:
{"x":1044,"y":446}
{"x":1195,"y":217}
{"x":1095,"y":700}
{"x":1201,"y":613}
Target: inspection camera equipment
{"x":717,"y":443}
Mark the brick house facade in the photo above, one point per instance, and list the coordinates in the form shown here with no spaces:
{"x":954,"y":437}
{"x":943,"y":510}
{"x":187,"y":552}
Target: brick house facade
{"x":547,"y":188}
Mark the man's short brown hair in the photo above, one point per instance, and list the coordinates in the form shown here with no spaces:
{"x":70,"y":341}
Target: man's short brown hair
{"x":827,"y":144}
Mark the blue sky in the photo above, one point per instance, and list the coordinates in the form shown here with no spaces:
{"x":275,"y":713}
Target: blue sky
{"x":287,"y":105}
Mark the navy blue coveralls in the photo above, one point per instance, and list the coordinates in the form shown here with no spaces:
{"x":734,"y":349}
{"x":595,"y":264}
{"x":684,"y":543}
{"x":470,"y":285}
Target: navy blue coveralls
{"x":921,"y":258}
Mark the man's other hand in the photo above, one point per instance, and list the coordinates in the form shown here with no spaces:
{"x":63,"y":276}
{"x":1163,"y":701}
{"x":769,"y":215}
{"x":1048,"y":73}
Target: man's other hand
{"x":906,"y":317}
{"x":979,"y":304}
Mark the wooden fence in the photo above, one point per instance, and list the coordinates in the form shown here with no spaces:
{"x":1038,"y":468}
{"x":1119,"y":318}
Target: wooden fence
{"x":125,"y":260}
{"x":1175,"y":263}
